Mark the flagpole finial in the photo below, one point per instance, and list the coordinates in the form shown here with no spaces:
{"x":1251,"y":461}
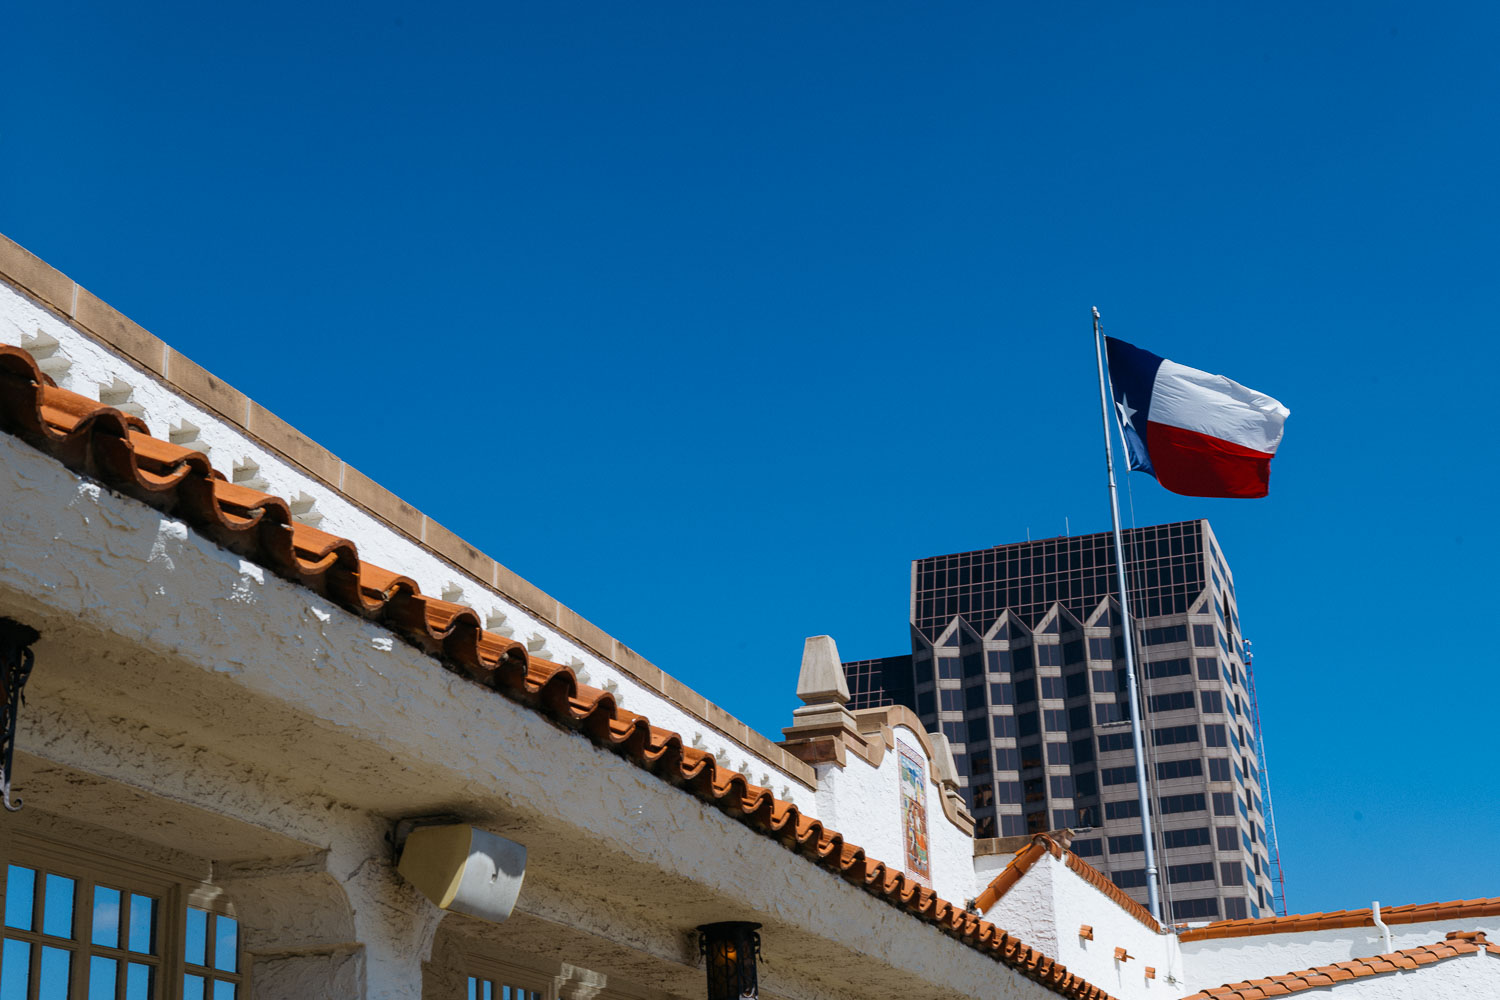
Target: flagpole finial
{"x":1096,"y":312}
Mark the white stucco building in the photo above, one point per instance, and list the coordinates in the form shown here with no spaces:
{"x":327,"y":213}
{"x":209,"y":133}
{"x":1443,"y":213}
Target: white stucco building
{"x":256,"y":672}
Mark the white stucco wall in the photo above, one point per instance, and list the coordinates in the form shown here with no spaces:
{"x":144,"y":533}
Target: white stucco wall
{"x":1048,"y":906}
{"x":1230,"y":960}
{"x":952,"y":849}
{"x":1026,"y":909}
{"x":863,"y":803}
{"x":1472,"y":977}
{"x":172,"y":666}
{"x":83,"y":365}
{"x":1076,"y":901}
{"x":986,"y":867}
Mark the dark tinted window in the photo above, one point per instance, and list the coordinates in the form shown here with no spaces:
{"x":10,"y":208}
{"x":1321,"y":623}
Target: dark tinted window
{"x":1194,"y":909}
{"x":1171,"y":735}
{"x":1169,"y":668}
{"x":1193,"y":837}
{"x":1169,"y":769}
{"x":1202,"y":871}
{"x":1181,"y":803}
{"x":1164,"y":634}
{"x":1091,"y":848}
{"x":1171,"y":702}
{"x":1107,"y":712}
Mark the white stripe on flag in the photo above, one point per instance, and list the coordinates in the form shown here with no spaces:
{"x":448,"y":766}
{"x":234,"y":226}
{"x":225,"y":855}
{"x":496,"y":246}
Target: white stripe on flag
{"x":1219,"y":407}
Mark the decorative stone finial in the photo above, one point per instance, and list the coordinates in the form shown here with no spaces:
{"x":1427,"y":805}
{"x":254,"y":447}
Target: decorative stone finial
{"x":822,"y":678}
{"x":823,"y":725}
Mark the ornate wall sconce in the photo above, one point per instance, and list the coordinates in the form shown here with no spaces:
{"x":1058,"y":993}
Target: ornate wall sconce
{"x":729,"y":950}
{"x":15,"y":667}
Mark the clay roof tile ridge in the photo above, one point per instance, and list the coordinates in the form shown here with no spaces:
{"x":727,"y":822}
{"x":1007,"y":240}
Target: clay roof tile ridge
{"x":1294,"y":982}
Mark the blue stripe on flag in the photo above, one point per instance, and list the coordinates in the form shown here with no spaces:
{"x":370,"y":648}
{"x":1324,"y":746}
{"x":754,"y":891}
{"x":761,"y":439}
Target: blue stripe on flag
{"x":1132,"y":375}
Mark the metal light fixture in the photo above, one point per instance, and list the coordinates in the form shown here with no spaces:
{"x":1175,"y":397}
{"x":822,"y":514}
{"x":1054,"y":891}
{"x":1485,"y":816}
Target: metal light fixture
{"x":15,"y":667}
{"x":729,"y":950}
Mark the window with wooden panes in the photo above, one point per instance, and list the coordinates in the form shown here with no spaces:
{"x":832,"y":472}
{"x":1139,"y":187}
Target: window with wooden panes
{"x":82,"y":926}
{"x":493,"y":979}
{"x":487,"y":988}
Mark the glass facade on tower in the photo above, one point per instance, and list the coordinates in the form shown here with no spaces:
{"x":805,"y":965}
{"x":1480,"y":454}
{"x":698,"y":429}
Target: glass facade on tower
{"x":1018,"y":658}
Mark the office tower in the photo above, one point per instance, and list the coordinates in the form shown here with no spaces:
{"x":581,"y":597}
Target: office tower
{"x":1018,"y":655}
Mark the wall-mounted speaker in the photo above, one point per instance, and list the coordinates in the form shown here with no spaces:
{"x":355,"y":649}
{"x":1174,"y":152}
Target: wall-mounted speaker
{"x":461,"y":868}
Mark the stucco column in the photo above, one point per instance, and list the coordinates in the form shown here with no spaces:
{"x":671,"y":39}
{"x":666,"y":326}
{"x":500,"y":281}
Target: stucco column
{"x":392,"y":921}
{"x":340,"y":924}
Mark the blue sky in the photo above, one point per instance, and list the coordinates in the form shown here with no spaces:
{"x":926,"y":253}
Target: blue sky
{"x":709,"y":318}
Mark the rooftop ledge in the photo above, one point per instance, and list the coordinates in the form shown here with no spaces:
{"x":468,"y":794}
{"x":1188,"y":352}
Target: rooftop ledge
{"x":98,"y":320}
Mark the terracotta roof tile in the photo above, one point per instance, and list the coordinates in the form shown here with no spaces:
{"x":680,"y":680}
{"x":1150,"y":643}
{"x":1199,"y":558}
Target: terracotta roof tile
{"x":1411,"y":913}
{"x":1459,"y":943}
{"x":115,"y":448}
{"x":1029,"y":855}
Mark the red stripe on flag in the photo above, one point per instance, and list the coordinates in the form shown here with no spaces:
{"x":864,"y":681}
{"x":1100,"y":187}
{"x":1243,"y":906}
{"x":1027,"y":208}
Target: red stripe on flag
{"x":1197,"y":465}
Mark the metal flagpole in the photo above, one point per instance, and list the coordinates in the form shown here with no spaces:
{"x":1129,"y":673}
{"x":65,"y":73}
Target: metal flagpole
{"x":1152,"y":886}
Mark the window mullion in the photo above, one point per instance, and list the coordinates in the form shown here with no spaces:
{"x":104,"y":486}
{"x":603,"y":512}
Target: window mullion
{"x":83,"y":928}
{"x":122,"y":943}
{"x":170,"y":937}
{"x":34,"y":960}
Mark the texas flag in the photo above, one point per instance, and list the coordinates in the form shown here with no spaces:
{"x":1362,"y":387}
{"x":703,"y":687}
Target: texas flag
{"x":1200,"y":435}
